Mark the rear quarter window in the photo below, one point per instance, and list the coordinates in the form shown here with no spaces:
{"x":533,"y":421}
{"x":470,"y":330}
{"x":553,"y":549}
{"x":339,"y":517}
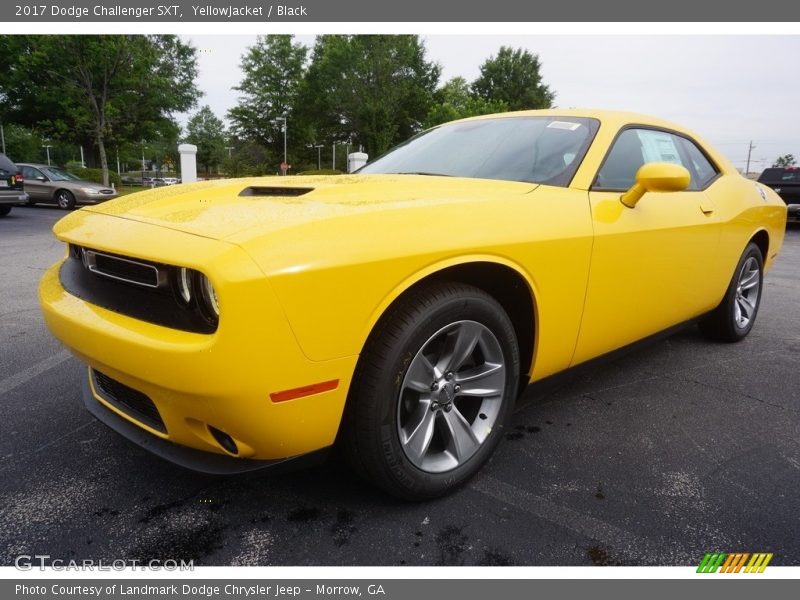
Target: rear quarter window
{"x":780,"y":175}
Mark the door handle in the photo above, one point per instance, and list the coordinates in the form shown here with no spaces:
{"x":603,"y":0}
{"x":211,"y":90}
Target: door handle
{"x":706,"y":206}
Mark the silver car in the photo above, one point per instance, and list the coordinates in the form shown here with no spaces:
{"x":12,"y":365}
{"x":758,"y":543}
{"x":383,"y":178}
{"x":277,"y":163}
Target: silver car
{"x":54,"y":185}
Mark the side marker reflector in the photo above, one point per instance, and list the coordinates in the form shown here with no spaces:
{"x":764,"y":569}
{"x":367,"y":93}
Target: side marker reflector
{"x":306,"y":390}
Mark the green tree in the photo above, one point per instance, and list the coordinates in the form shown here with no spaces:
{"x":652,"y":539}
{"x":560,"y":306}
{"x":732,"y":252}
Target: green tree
{"x":273,"y":71}
{"x":373,"y":90}
{"x":513,"y":77}
{"x":96,"y":89}
{"x":207,"y":132}
{"x":454,"y":100}
{"x":22,"y":144}
{"x":787,"y":160}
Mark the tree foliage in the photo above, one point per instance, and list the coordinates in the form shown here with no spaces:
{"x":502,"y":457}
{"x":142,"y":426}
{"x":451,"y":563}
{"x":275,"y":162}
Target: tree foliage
{"x":22,"y":144}
{"x":454,"y":100}
{"x":207,"y":132}
{"x":372,"y":90}
{"x":98,"y":89}
{"x":513,"y":77}
{"x":787,"y":160}
{"x":273,"y":72}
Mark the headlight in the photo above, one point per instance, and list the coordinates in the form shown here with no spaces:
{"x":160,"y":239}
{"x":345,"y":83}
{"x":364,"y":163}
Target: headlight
{"x":90,"y":191}
{"x":209,"y":304}
{"x":184,"y":285}
{"x":194,"y":291}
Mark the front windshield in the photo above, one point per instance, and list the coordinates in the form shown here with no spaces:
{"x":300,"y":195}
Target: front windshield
{"x":56,"y":174}
{"x":533,"y":149}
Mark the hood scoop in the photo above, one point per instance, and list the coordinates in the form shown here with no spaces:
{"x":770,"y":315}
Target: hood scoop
{"x":275,"y":191}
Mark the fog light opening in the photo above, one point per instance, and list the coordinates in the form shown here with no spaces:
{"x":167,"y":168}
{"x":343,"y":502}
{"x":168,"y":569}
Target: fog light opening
{"x":224,"y":440}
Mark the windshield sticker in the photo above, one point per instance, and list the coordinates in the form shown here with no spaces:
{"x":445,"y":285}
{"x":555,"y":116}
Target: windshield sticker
{"x":563,"y":125}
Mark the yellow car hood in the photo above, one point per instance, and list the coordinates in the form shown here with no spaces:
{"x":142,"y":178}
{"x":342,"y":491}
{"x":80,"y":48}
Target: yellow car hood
{"x":221,"y":209}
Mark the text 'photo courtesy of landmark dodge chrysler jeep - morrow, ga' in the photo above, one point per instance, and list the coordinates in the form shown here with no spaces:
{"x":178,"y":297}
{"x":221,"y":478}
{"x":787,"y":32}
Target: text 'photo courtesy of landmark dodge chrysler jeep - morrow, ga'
{"x":399,"y":311}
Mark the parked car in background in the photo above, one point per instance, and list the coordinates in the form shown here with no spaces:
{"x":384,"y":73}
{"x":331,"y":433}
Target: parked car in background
{"x":12,"y":192}
{"x":786,"y":183}
{"x":54,"y":185}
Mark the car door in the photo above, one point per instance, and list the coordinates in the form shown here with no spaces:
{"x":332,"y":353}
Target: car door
{"x":37,"y":189}
{"x":650,"y":264}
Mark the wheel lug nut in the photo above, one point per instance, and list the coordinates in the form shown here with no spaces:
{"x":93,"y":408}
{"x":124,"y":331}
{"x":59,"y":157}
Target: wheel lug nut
{"x":448,"y":407}
{"x":434,"y":386}
{"x":449,"y":376}
{"x":456,"y":388}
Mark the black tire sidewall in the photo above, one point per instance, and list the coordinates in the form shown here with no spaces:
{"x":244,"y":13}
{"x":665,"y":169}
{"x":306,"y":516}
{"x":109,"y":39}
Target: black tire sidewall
{"x":409,"y":480}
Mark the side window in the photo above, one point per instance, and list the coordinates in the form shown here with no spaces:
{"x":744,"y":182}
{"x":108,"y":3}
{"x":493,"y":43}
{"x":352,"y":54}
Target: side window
{"x":619,"y":169}
{"x":702,"y":170}
{"x":636,"y":147}
{"x":30,"y":173}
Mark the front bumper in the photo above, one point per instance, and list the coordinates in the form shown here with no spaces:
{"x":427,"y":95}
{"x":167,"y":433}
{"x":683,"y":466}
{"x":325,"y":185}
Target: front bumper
{"x":16,"y":199}
{"x":223,"y":380}
{"x":207,"y":463}
{"x":84,"y":198}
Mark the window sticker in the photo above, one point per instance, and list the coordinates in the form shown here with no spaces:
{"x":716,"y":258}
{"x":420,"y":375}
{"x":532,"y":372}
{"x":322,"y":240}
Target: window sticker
{"x":659,"y":147}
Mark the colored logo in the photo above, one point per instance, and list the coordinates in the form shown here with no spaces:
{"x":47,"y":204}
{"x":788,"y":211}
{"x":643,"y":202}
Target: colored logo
{"x":734,"y":563}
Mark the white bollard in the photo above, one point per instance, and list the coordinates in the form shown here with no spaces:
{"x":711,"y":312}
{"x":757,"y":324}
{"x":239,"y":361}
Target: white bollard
{"x":356,"y":160}
{"x":188,"y":154}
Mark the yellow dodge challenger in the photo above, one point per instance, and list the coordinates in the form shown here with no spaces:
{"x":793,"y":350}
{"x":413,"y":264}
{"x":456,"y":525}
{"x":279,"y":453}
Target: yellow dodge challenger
{"x":234,"y":325}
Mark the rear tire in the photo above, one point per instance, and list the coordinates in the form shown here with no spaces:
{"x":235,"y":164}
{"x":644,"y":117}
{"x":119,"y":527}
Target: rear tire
{"x":432,"y":390}
{"x":65,"y":199}
{"x":733,"y":319}
{"x":4,"y":210}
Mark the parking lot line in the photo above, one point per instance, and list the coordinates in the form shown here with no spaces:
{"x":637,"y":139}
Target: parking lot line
{"x":23,"y":377}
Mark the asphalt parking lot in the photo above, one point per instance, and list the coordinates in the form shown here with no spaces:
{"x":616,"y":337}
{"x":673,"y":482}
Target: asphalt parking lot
{"x":673,"y":450}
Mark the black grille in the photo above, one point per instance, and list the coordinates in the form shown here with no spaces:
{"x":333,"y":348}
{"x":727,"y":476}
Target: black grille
{"x":127,"y":270}
{"x":129,"y":401}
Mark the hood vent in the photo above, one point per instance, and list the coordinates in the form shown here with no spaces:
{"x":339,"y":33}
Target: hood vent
{"x":275,"y":191}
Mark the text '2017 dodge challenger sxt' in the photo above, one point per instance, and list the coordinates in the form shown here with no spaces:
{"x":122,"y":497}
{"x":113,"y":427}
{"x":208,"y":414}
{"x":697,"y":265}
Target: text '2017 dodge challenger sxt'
{"x":232,"y":325}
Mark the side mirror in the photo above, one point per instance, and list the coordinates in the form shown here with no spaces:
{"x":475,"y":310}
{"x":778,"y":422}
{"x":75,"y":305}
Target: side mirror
{"x":656,"y":177}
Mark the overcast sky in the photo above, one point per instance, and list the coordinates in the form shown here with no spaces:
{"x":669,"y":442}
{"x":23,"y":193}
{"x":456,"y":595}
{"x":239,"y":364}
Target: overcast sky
{"x":729,"y":89}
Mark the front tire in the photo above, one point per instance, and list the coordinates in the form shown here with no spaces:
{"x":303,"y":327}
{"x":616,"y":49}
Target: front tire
{"x":733,"y":319}
{"x":65,"y":199}
{"x":432,"y":391}
{"x":4,"y":210}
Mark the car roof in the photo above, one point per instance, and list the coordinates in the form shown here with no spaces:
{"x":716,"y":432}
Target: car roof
{"x":38,"y":165}
{"x":610,"y":117}
{"x":6,"y":163}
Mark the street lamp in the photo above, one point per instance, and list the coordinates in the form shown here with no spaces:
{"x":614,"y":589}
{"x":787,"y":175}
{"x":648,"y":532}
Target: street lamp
{"x":285,"y":127}
{"x":47,"y":148}
{"x":319,"y":156}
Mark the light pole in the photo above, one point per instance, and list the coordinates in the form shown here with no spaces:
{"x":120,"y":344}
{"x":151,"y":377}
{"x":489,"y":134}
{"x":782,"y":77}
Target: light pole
{"x":83,"y":162}
{"x":229,"y":148}
{"x":319,"y":156}
{"x":47,"y":148}
{"x":285,"y":127}
{"x":142,"y":162}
